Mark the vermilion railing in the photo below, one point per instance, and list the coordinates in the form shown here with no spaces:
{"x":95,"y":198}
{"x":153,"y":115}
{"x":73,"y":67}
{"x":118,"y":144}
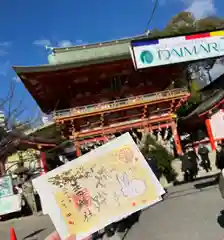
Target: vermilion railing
{"x":178,"y":92}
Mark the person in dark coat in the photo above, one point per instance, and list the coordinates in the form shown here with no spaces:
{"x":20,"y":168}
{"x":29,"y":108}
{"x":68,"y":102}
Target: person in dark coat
{"x":154,"y":166}
{"x":203,"y":153}
{"x":122,"y":225}
{"x":126,"y":223}
{"x":156,"y":170}
{"x":189,"y":165}
{"x":25,"y":183}
{"x":194,"y":161}
{"x":186,"y":165}
{"x":220,"y":157}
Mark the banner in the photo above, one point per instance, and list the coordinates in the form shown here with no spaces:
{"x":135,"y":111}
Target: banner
{"x":150,"y":53}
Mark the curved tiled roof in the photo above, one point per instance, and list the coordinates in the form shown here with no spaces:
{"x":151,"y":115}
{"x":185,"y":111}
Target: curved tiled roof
{"x":78,"y":56}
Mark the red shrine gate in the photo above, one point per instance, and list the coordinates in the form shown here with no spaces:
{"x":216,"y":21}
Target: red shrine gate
{"x":94,"y":91}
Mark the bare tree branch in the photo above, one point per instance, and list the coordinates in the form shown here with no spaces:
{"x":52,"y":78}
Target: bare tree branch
{"x":12,"y":109}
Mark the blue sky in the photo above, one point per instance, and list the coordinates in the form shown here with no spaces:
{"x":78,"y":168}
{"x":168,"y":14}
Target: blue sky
{"x":26,"y":26}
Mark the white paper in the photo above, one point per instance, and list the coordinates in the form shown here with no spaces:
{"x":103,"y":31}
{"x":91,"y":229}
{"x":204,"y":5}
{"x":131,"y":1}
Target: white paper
{"x":98,"y":188}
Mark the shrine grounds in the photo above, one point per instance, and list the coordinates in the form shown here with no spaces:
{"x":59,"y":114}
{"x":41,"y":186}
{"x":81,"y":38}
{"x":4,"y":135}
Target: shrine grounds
{"x":191,"y":211}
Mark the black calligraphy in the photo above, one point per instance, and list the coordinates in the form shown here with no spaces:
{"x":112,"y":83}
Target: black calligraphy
{"x":99,"y":199}
{"x":82,"y":199}
{"x":84,"y":173}
{"x":63,"y":204}
{"x":101,"y":176}
{"x":70,"y":183}
{"x":87,"y":215}
{"x":116,"y":198}
{"x":75,"y":185}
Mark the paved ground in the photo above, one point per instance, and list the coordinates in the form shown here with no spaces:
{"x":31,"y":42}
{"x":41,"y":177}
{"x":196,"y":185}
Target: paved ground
{"x":189,"y":212}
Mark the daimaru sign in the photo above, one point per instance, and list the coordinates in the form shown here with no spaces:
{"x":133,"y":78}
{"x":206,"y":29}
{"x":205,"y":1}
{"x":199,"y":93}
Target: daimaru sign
{"x":151,"y":53}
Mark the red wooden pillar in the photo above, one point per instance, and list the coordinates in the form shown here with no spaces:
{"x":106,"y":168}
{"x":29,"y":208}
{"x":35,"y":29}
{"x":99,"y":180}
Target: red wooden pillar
{"x":43,"y":163}
{"x":176,"y":138}
{"x":210,"y":135}
{"x":78,"y":149}
{"x":105,"y":139}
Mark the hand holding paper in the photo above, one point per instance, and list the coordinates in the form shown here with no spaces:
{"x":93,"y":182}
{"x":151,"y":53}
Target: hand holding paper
{"x":55,"y":236}
{"x":98,"y":188}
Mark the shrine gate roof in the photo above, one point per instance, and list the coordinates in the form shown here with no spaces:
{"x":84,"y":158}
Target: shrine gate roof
{"x":70,"y":66}
{"x":92,"y":53}
{"x":79,"y":56}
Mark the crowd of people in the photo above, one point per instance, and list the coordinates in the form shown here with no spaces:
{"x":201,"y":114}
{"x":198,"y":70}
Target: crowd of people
{"x":191,"y":160}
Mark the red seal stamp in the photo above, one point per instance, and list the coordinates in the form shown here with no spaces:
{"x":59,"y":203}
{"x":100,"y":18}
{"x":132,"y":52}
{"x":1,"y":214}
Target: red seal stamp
{"x":82,"y":199}
{"x":71,"y":222}
{"x":126,"y":155}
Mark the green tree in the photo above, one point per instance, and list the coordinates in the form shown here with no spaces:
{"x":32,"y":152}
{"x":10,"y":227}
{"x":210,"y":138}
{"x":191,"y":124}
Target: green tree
{"x":163,"y":158}
{"x":185,"y":22}
{"x":181,"y":23}
{"x":209,"y":23}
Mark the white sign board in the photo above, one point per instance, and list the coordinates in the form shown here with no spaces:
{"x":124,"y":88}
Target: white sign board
{"x":10,"y":204}
{"x":217,"y":124}
{"x":6,"y":188}
{"x":157,"y":52}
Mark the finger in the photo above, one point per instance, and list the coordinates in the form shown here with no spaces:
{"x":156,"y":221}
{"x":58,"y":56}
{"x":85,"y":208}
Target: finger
{"x":53,"y":236}
{"x":72,"y":237}
{"x":87,"y":238}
